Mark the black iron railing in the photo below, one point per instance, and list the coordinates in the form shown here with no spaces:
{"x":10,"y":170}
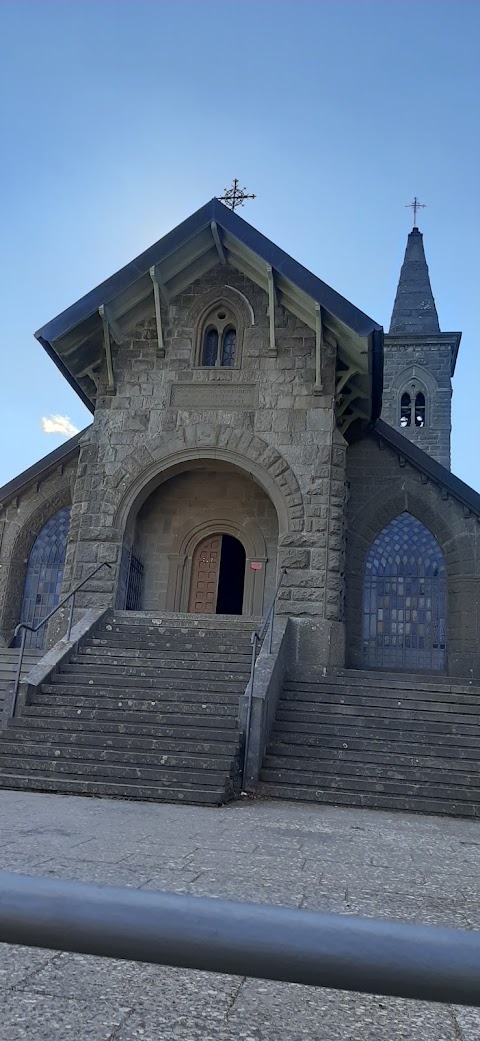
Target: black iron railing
{"x":276,"y":943}
{"x":24,"y":627}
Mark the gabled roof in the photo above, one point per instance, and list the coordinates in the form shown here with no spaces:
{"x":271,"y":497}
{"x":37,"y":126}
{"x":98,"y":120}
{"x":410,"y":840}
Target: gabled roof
{"x":424,"y":462}
{"x":213,"y":235}
{"x":42,"y":468}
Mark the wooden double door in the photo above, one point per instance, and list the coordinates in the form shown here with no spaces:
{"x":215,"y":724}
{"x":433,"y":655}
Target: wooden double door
{"x":218,"y":576}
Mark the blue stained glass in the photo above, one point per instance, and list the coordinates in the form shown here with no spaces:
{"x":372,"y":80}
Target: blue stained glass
{"x":44,"y":574}
{"x":404,"y":574}
{"x":210,"y":347}
{"x":228,"y":347}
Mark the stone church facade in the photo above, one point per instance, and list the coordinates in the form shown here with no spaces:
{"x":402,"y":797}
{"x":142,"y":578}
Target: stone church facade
{"x":255,"y":439}
{"x":275,"y":451}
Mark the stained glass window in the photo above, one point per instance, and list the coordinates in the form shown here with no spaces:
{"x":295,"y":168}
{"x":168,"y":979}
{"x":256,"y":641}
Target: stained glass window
{"x":43,"y":579}
{"x":228,"y":347}
{"x":210,"y":347}
{"x":404,"y":607}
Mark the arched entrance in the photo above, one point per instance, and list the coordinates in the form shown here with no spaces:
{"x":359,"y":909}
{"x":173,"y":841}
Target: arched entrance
{"x":201,"y":501}
{"x":43,"y":579}
{"x":217,"y":580}
{"x":404,"y":603}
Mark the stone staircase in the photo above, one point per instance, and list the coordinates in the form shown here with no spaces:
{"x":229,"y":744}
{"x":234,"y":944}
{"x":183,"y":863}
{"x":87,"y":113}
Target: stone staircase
{"x":383,"y":740}
{"x":146,"y":709}
{"x":8,"y":668}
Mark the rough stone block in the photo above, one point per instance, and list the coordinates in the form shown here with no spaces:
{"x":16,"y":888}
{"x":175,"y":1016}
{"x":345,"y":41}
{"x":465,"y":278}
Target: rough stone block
{"x":294,"y":558}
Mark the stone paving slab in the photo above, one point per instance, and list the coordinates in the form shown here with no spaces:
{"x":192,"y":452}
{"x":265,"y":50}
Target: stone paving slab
{"x":347,"y":861}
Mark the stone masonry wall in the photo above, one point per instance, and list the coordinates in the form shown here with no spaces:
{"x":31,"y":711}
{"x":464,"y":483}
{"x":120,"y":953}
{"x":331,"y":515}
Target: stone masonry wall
{"x":273,"y":426}
{"x":380,"y":487}
{"x":429,"y":361}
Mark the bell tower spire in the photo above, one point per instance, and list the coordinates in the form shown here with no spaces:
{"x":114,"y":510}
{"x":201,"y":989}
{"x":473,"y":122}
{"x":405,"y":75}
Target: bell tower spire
{"x":414,"y":310}
{"x":419,"y":360}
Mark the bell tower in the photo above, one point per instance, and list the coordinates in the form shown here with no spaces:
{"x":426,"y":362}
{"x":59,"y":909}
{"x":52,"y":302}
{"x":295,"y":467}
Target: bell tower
{"x":419,"y":360}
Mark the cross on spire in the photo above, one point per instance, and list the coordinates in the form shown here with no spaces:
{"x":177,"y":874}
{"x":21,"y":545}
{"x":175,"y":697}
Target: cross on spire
{"x":415,"y":205}
{"x":235,"y":196}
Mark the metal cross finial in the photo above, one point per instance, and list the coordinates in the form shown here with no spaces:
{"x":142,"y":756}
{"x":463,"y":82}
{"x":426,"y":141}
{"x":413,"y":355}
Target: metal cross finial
{"x":415,"y":205}
{"x":235,"y":196}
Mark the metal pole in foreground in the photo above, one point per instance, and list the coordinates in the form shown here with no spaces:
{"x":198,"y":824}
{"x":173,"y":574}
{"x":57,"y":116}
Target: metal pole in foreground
{"x":346,"y":953}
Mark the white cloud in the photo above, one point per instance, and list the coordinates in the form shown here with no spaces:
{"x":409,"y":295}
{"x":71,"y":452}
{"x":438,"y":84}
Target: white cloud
{"x":58,"y":425}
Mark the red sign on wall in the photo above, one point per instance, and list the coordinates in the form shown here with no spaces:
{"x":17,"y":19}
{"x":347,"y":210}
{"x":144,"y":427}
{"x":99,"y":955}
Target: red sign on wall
{"x":255,"y":565}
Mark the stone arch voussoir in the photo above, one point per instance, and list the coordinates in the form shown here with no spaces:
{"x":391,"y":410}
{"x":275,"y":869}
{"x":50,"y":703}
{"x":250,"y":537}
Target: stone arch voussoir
{"x":246,"y":452}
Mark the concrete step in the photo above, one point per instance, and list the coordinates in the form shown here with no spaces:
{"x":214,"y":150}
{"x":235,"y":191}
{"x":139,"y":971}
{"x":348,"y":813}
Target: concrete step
{"x":177,"y":648}
{"x":364,"y":715}
{"x":114,"y":790}
{"x":151,"y":729}
{"x":117,"y":741}
{"x":282,"y":770}
{"x":182,"y":761}
{"x":113,"y":772}
{"x":160,"y":659}
{"x":370,"y":800}
{"x":176,"y":620}
{"x":410,"y":743}
{"x":345,"y":724}
{"x":321,"y":758}
{"x":96,"y":690}
{"x":359,"y":696}
{"x":221,"y":673}
{"x":386,"y":680}
{"x":76,"y":675}
{"x":366,"y":783}
{"x":144,"y":705}
{"x":172,"y":719}
{"x":9,"y":664}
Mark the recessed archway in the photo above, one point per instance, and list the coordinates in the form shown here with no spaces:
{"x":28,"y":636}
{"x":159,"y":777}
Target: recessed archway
{"x":202,"y":500}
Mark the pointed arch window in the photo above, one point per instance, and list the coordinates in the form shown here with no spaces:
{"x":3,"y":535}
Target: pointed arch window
{"x":44,"y":573}
{"x":413,"y":406}
{"x":404,"y":598}
{"x":218,"y":339}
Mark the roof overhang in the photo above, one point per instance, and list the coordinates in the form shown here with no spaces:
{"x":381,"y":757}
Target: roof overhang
{"x":41,"y":469}
{"x":213,"y":235}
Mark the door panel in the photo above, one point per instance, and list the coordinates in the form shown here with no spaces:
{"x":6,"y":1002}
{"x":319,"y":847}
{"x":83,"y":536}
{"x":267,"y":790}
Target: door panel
{"x":205,"y":575}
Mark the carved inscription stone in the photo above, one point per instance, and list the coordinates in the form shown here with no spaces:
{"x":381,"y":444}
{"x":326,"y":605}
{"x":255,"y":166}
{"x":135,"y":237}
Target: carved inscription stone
{"x":213,"y":395}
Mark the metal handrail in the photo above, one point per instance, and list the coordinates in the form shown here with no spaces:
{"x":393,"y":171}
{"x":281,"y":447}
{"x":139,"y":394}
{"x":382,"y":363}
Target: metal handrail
{"x":423,"y":962}
{"x":25,"y":627}
{"x":256,"y":640}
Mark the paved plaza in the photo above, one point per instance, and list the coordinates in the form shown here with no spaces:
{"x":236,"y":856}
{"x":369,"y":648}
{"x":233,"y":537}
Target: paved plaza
{"x":416,"y":869}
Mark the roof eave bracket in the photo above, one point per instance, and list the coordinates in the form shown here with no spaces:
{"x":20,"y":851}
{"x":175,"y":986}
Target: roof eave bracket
{"x":158,"y":313}
{"x":318,"y":388}
{"x":218,"y":242}
{"x":272,"y":300}
{"x":107,"y":348}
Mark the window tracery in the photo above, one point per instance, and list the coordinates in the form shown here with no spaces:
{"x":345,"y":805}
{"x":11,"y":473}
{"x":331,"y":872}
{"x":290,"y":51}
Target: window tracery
{"x":413,"y":407}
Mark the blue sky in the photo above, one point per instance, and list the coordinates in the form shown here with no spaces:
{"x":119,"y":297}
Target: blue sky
{"x":119,"y":119}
